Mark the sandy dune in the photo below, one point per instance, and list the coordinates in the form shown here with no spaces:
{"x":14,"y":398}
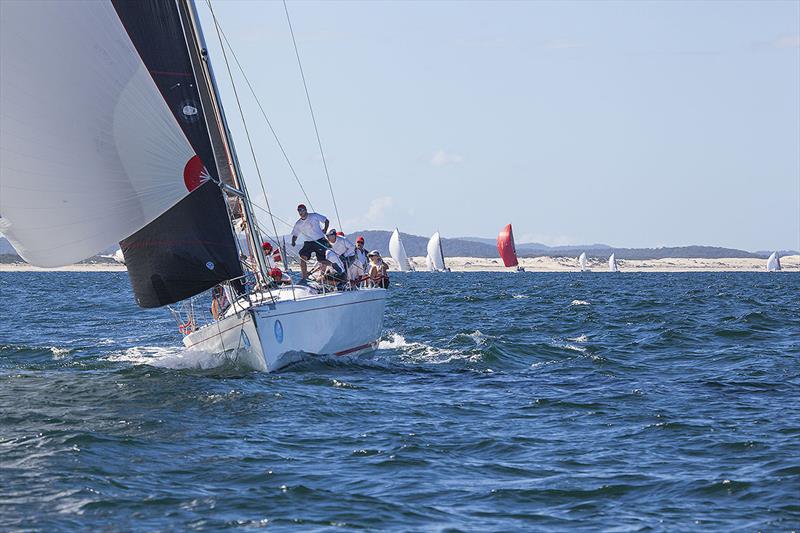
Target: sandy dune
{"x":534,"y":264}
{"x":570,"y":264}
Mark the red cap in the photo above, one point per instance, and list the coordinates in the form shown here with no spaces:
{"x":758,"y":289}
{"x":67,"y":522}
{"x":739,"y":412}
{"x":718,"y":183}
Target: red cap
{"x":301,"y":206}
{"x":275,"y":273}
{"x":340,"y":233}
{"x":360,"y":238}
{"x":266,"y":246}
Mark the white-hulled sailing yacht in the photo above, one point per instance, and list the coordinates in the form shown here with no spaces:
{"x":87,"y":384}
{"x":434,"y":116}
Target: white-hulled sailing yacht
{"x":582,"y":262}
{"x":435,"y":257}
{"x":398,"y":252}
{"x":131,"y":145}
{"x":612,"y":263}
{"x":774,"y":263}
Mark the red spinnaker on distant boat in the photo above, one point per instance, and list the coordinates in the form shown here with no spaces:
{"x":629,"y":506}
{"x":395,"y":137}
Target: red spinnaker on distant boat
{"x":505,"y":247}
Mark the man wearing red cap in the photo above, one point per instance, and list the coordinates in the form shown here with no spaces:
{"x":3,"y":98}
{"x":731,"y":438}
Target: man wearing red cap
{"x":361,"y":262}
{"x":308,"y":226}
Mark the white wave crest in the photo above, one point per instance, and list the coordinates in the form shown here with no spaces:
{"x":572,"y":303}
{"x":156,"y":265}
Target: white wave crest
{"x":574,"y":348}
{"x":579,"y":302}
{"x":519,"y":296}
{"x":173,"y":357}
{"x":417,"y":352}
{"x":582,"y":338}
{"x":59,"y":353}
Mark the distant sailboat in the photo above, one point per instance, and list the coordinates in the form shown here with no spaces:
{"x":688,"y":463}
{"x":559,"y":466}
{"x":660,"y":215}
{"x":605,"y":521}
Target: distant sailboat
{"x":429,"y":264}
{"x":774,"y":263}
{"x":398,"y":252}
{"x":612,"y":264}
{"x":435,"y":254}
{"x":506,"y":248}
{"x":582,"y":262}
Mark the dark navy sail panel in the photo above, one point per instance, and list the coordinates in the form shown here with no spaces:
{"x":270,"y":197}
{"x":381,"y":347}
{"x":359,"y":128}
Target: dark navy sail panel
{"x":184,"y":252}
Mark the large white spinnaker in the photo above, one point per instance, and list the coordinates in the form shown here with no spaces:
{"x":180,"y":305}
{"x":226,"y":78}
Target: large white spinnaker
{"x":398,"y":252}
{"x":774,"y":262}
{"x":612,"y":263}
{"x":435,"y":252}
{"x":582,"y":261}
{"x":85,"y":135}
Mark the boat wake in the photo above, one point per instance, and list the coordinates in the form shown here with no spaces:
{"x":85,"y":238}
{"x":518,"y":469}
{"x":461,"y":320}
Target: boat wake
{"x":175,"y":358}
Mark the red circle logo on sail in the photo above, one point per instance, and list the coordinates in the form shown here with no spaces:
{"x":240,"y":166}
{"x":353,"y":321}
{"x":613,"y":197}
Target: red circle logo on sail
{"x":195,"y":173}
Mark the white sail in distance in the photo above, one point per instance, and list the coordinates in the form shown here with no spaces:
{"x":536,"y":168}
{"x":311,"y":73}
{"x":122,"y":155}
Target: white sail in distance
{"x":435,"y":252}
{"x":429,"y":264}
{"x":612,"y":264}
{"x":773,"y":263}
{"x":100,"y":156}
{"x":398,"y":252}
{"x":582,"y":261}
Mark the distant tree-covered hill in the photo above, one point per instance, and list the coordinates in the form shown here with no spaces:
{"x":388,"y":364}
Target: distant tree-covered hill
{"x":478,"y":247}
{"x":416,"y":245}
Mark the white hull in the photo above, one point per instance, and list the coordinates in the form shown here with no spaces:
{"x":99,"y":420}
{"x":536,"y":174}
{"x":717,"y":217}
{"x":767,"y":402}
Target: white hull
{"x":269,"y":336}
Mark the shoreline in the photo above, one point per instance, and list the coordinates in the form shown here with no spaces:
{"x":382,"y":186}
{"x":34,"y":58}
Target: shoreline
{"x":790,"y":263}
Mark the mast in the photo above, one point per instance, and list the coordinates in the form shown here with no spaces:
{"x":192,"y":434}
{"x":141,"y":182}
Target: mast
{"x":220,"y":137}
{"x":441,"y":251}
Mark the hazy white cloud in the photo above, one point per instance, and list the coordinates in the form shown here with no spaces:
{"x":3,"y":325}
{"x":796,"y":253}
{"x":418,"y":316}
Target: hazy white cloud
{"x":377,"y":207}
{"x":442,"y":158}
{"x":373,"y":217}
{"x":790,"y":41}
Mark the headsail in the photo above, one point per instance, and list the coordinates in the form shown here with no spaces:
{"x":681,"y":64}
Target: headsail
{"x":505,"y":247}
{"x":435,"y":252}
{"x":582,"y":261}
{"x":612,"y":263}
{"x":117,"y":150}
{"x":774,"y":262}
{"x":398,"y":251}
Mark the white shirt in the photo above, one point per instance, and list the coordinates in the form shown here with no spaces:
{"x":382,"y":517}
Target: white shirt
{"x":270,"y":260}
{"x":361,"y":257}
{"x":310,"y":228}
{"x":343,"y":247}
{"x":333,"y":257}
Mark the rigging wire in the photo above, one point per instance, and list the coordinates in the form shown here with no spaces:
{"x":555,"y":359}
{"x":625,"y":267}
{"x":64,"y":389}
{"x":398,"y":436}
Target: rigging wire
{"x":261,"y":108}
{"x":244,"y":122}
{"x":313,"y":118}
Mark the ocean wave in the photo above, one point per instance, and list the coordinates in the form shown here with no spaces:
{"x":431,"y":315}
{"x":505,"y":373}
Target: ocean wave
{"x":417,"y":352}
{"x":172,"y":358}
{"x":579,"y":302}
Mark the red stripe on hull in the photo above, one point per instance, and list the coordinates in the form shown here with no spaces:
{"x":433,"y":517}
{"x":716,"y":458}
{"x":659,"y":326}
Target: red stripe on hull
{"x":351,"y":350}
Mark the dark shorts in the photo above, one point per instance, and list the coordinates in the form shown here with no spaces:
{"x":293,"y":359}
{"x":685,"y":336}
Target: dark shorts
{"x":336,"y":273}
{"x":314,"y":247}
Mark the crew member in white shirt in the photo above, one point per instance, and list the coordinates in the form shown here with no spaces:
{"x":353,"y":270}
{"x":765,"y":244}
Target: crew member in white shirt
{"x":359,"y":266}
{"x":312,"y":227}
{"x":341,"y":245}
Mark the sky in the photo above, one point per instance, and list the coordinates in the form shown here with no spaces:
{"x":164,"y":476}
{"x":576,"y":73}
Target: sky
{"x":634,"y":124}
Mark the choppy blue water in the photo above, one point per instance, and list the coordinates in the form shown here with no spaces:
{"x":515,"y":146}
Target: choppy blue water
{"x":496,"y":401}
